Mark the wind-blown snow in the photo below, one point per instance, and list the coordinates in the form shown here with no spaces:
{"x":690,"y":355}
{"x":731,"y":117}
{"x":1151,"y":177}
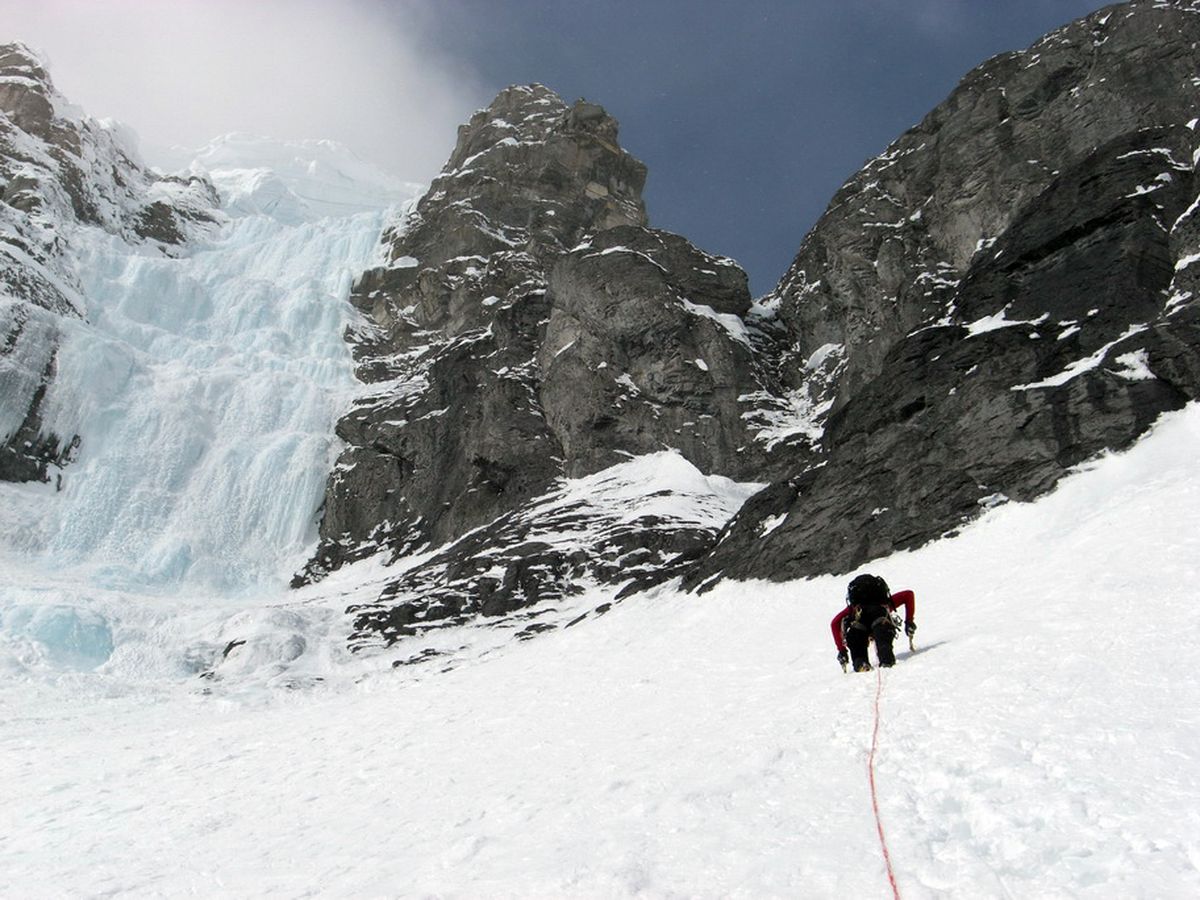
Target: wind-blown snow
{"x":663,"y":485}
{"x":731,"y":323}
{"x":1000,"y":320}
{"x":1043,"y":742}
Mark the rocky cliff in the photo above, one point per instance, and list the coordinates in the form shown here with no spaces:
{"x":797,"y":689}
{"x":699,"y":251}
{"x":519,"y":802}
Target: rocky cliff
{"x":61,"y":171}
{"x":528,"y":328}
{"x":1003,"y":293}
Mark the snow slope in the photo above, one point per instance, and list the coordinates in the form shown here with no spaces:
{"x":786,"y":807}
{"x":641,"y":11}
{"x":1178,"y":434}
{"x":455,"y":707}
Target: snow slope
{"x":1043,"y":742}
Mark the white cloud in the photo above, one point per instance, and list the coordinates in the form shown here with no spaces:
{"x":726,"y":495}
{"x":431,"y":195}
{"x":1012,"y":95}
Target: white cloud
{"x":184,"y":71}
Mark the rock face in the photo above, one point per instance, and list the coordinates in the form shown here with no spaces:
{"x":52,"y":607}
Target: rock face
{"x":646,"y":347}
{"x":898,"y":236}
{"x":59,"y":172}
{"x":628,"y":524}
{"x":527,"y":327}
{"x":1003,"y":293}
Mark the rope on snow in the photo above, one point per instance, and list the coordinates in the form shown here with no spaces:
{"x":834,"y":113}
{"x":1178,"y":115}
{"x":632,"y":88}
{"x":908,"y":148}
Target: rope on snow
{"x":887,"y":856}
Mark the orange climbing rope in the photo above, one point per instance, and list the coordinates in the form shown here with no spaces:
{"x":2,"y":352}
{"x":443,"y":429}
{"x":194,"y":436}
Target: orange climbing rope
{"x":887,"y":856}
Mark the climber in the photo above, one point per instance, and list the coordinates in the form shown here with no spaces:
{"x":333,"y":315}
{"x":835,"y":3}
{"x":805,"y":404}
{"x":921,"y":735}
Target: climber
{"x":867,"y":616}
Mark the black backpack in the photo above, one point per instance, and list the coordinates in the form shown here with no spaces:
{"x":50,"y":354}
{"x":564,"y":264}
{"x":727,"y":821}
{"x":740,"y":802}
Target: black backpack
{"x":869,"y":599}
{"x":868,"y":590}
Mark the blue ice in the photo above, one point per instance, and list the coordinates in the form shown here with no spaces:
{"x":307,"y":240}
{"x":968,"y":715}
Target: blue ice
{"x":67,"y":637}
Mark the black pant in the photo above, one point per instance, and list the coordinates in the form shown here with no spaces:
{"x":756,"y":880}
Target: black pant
{"x":871,"y":622}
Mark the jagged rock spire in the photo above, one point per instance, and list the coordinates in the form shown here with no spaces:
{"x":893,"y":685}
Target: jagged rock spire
{"x":527,"y":326}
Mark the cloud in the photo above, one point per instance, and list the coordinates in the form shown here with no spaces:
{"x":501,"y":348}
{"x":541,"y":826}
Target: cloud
{"x":185,"y":71}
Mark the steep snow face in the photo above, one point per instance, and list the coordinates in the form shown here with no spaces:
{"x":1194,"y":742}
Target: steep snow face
{"x":206,"y":387}
{"x":1042,"y":742}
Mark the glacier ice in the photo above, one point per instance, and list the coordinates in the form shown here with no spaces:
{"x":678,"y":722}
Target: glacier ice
{"x":205,"y":388}
{"x":66,"y":637}
{"x":296,"y":181}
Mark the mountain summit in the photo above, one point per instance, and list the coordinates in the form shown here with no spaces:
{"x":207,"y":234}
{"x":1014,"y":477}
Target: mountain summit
{"x":528,"y":327}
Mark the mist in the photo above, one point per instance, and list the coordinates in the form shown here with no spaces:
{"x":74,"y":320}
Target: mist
{"x":184,"y":72}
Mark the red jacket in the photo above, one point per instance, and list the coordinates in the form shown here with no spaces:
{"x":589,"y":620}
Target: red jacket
{"x":900,"y":598}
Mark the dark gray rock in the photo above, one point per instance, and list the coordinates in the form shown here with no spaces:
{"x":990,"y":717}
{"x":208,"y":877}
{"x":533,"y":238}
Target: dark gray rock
{"x":455,"y":435}
{"x":529,"y":329}
{"x":534,"y":560}
{"x":646,"y":348}
{"x":28,"y":353}
{"x":1065,"y":332}
{"x":1007,"y":291}
{"x":888,"y":253}
{"x":526,"y":327}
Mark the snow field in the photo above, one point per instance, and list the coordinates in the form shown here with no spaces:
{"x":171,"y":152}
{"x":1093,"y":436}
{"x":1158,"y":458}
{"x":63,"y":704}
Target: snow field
{"x":1042,"y":742}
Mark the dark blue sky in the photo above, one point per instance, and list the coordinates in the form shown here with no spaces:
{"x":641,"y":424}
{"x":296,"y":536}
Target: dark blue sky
{"x":749,"y":114}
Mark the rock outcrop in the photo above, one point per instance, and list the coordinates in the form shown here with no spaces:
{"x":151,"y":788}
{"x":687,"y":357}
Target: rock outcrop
{"x":630,"y":524}
{"x":61,"y":171}
{"x":888,"y":254}
{"x":1003,"y":293}
{"x":527,"y":328}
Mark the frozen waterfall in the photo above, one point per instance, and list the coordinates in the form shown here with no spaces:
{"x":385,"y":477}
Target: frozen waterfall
{"x":205,"y":389}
